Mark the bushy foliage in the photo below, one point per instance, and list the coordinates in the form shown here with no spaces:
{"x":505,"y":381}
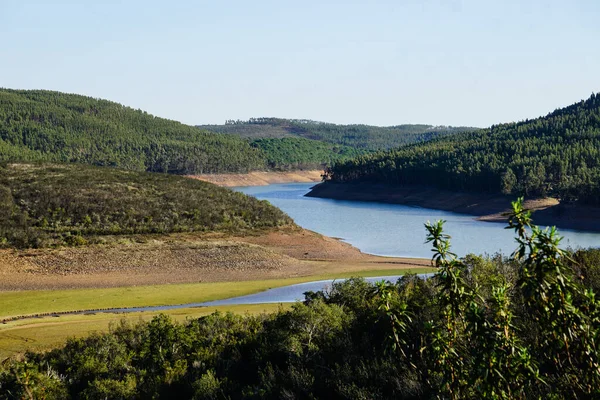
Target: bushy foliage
{"x":50,"y":204}
{"x":557,"y":155}
{"x":39,"y":125}
{"x":522,"y":327}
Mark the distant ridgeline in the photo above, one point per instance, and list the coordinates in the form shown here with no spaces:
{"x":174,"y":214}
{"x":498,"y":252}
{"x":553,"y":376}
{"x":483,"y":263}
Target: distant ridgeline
{"x":40,"y":125}
{"x":364,"y":137}
{"x":556,"y":155}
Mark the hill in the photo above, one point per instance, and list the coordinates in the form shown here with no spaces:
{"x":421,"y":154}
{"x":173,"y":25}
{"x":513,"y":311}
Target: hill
{"x":54,"y":204}
{"x":555,"y":155}
{"x":39,"y":125}
{"x":365,"y":137}
{"x":299,"y":153}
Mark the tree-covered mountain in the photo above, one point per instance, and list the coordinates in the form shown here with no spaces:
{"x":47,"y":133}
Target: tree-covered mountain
{"x":55,"y":204}
{"x":364,"y":137}
{"x":39,"y":125}
{"x":299,"y":153}
{"x":555,"y":155}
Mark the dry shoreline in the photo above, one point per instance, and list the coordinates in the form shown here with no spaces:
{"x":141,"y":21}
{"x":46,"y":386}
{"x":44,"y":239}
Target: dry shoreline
{"x":487,"y":207}
{"x":260,"y":178}
{"x":189,"y":258}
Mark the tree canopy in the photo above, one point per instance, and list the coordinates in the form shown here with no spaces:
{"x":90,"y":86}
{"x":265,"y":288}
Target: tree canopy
{"x":39,"y":125}
{"x":300,"y":153}
{"x":555,"y":155}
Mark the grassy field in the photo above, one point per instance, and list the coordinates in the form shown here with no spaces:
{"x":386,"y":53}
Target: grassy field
{"x":33,"y":302}
{"x":41,"y":333}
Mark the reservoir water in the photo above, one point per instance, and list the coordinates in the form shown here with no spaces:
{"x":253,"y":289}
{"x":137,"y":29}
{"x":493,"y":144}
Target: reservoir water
{"x":393,"y":229}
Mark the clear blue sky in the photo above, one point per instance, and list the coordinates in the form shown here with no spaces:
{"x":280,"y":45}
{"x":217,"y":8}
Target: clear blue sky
{"x":382,"y":62}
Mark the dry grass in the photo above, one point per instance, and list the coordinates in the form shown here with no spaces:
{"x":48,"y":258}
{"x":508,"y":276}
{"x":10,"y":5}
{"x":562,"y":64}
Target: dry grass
{"x":33,"y":302}
{"x":42,"y":333}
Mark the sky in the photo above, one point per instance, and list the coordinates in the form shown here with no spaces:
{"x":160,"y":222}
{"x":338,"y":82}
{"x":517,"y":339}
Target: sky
{"x":379,"y":62}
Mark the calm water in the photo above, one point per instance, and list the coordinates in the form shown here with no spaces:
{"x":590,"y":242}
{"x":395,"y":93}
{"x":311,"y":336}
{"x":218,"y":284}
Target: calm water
{"x":395,"y":230}
{"x":376,"y":228}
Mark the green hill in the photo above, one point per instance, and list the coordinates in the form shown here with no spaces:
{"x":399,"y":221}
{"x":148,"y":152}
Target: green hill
{"x":299,"y":153}
{"x":39,"y":125}
{"x":556,"y":155}
{"x":55,"y":204}
{"x":364,"y":137}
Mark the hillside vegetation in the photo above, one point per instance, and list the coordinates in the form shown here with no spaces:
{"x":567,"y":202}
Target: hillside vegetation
{"x":481,"y":328}
{"x":39,"y":125}
{"x":299,"y":153}
{"x":55,"y":204}
{"x":556,"y":155}
{"x":364,"y":137}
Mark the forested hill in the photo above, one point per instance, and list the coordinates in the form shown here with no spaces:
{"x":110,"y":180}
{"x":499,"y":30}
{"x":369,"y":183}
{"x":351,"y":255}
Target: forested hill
{"x":365,"y":137}
{"x":557,"y":155}
{"x":38,"y":125}
{"x":44,"y":204}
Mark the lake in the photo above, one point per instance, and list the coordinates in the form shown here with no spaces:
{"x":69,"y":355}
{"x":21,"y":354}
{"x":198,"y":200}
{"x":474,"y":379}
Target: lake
{"x":393,"y":229}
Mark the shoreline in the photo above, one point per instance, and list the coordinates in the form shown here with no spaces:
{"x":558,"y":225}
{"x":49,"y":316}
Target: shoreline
{"x":188,"y":258}
{"x":261,"y":178}
{"x":40,"y":288}
{"x":485,"y":207}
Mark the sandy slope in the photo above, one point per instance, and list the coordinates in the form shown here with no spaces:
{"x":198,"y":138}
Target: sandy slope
{"x":188,"y":258}
{"x":260,"y":178}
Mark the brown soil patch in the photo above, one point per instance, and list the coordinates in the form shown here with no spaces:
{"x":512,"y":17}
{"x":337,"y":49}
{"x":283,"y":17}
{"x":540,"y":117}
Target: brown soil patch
{"x":188,"y":258}
{"x":530,"y":204}
{"x":260,"y":178}
{"x":303,"y":244}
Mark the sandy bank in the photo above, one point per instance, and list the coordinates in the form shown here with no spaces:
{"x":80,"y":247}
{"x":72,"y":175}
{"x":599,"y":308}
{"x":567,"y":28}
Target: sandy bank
{"x":259,"y":178}
{"x":487,"y":207}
